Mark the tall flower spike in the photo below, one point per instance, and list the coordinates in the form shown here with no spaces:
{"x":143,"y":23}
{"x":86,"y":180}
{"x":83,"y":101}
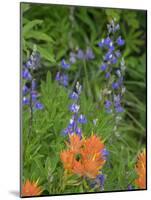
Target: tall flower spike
{"x":141,"y":170}
{"x":29,"y":89}
{"x":83,"y":156}
{"x":31,"y":189}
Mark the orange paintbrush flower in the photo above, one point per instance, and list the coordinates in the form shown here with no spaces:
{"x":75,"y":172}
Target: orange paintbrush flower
{"x":141,"y":170}
{"x":31,"y":189}
{"x":84,"y":156}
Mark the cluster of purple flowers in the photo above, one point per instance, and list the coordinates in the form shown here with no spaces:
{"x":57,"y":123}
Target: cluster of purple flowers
{"x":61,"y":76}
{"x":30,"y":95}
{"x":76,"y":119}
{"x":81,"y":55}
{"x":113,"y":67}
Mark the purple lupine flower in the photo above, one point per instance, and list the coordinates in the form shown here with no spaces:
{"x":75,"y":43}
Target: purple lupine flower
{"x":104,"y":153}
{"x":115,"y":85}
{"x":108,"y":56}
{"x":72,"y":58}
{"x":26,"y":75}
{"x":34,"y":96}
{"x":25,"y":90}
{"x":74,"y":108}
{"x":64,"y":79}
{"x":101,"y":44}
{"x":65,"y":131}
{"x":108,"y":104}
{"x":107,"y":41}
{"x":119,"y":109}
{"x":58,"y":76}
{"x":118,"y":72}
{"x":64,"y":64}
{"x":120,"y":41}
{"x":103,"y":67}
{"x":80,"y":55}
{"x":78,"y":88}
{"x":89,"y":54}
{"x":111,"y":47}
{"x":107,"y":75}
{"x":78,"y":131}
{"x":73,"y":95}
{"x":101,"y":179}
{"x":25,"y":101}
{"x":113,"y":60}
{"x":33,"y":84}
{"x":117,"y":53}
{"x":117,"y":27}
{"x":129,"y":187}
{"x":28,"y":64}
{"x":82,"y":119}
{"x":39,"y":106}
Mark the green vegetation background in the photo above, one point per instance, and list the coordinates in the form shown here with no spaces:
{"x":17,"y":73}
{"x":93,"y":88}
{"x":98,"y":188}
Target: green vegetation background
{"x":56,"y":31}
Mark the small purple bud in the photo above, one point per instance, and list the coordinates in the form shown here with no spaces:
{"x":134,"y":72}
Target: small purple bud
{"x":82,"y":119}
{"x":64,"y":64}
{"x":26,"y":101}
{"x":39,"y":106}
{"x":120,"y":41}
{"x":74,"y":96}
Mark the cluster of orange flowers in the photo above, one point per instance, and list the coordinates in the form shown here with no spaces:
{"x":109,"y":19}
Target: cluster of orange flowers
{"x":141,"y":170}
{"x":31,"y":189}
{"x":83,"y":156}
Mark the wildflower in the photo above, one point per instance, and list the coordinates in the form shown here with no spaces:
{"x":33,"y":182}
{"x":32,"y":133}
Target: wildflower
{"x":82,"y":119}
{"x":33,"y":84}
{"x":26,"y":101}
{"x":83,"y":156}
{"x":101,"y":44}
{"x":119,"y":109}
{"x":107,"y":75}
{"x":89,"y":54}
{"x":80,"y":54}
{"x":72,"y":58}
{"x":58,"y":76}
{"x":108,"y":104}
{"x":34,"y":96}
{"x":104,"y":153}
{"x":120,"y":41}
{"x":74,"y":108}
{"x":64,"y":80}
{"x":108,"y":56}
{"x":101,"y":179}
{"x":115,"y":85}
{"x":25,"y":90}
{"x":39,"y":106}
{"x":64,"y":64}
{"x":73,"y":95}
{"x":103,"y":67}
{"x":78,"y":88}
{"x":26,"y":74}
{"x":141,"y":170}
{"x":31,"y":189}
{"x":117,"y":53}
{"x":107,"y":41}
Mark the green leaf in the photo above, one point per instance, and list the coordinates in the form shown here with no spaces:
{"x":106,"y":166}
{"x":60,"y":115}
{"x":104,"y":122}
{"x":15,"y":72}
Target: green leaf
{"x":46,"y":54}
{"x":38,"y":35}
{"x":29,"y":26}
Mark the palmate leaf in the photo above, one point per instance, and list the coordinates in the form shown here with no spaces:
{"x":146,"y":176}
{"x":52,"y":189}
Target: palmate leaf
{"x":39,"y":36}
{"x":30,"y":25}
